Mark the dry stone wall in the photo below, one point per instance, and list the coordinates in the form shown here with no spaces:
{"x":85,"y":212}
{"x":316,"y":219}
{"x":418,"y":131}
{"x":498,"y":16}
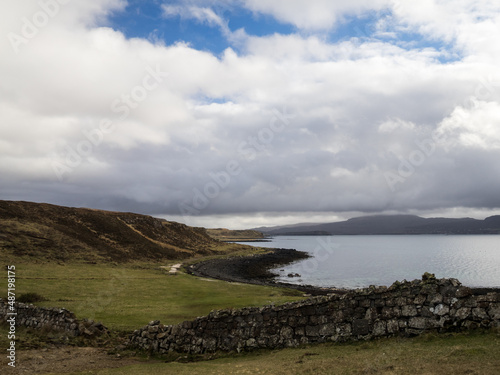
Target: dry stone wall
{"x":406,"y":308}
{"x":51,"y":319}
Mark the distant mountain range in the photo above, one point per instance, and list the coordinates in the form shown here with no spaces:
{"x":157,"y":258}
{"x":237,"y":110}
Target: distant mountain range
{"x":391,"y":224}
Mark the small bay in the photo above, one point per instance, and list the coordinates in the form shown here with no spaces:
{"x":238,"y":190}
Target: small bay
{"x":360,"y":261}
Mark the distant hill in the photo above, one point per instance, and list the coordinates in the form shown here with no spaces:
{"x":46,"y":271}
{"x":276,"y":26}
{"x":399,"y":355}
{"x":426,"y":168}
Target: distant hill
{"x":47,"y":231}
{"x":223,"y":234}
{"x":392,"y":224}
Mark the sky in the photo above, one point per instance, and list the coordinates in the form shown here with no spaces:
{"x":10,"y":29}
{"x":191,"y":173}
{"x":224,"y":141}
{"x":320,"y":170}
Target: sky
{"x":243,"y":113}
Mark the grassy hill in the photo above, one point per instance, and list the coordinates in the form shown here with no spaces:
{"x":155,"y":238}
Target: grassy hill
{"x":113,"y":266}
{"x":45,"y":231}
{"x":223,"y":234}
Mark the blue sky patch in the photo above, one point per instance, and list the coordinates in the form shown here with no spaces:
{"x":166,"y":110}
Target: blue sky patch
{"x":146,"y":19}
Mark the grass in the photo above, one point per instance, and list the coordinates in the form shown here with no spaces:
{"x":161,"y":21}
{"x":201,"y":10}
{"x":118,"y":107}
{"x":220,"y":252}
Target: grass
{"x":472,"y":353}
{"x":127,"y":297}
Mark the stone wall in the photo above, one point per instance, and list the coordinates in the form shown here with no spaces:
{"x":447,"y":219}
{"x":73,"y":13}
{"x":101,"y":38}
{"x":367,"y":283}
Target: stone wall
{"x":406,"y":308}
{"x":51,"y":319}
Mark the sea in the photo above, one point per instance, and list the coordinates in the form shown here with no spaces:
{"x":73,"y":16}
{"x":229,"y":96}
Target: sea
{"x":361,"y":261}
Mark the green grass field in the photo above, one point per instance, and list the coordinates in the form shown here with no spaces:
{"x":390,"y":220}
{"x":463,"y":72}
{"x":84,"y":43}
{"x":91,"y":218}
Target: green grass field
{"x":127,"y":297}
{"x":432,"y":354}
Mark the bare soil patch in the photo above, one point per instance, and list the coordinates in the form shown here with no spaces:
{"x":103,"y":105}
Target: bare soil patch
{"x":65,"y":360}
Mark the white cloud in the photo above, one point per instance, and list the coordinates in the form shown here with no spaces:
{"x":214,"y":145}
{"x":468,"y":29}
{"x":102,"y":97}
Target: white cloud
{"x":194,"y":12}
{"x":207,"y":16}
{"x":359,"y":106}
{"x":470,"y":25}
{"x":315,"y":15}
{"x":474,"y":127}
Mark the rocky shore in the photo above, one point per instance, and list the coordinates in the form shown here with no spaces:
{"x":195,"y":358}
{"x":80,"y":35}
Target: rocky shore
{"x":256,"y":270}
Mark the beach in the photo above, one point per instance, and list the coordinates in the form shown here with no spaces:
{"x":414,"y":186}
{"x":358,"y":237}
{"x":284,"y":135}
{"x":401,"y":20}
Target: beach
{"x":256,"y":270}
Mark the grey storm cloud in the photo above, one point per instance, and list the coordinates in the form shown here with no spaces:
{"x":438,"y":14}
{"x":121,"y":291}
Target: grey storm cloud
{"x":289,"y":125}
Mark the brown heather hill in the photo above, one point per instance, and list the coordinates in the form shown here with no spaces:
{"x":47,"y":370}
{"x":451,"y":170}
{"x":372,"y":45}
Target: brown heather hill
{"x":49,"y":232}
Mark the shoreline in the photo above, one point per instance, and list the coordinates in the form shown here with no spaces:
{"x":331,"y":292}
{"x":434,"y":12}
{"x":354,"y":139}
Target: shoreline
{"x":255,"y":269}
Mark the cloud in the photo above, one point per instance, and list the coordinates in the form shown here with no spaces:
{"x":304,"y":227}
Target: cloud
{"x":204,"y":15}
{"x":200,"y":14}
{"x":317,"y":15}
{"x":471,"y":25}
{"x":314,"y":126}
{"x":475,"y":127}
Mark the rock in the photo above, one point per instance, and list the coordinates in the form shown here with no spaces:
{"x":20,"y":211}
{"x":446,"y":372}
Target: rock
{"x":379,"y":328}
{"x":479,"y":314}
{"x":440,"y":310}
{"x":409,"y":310}
{"x":428,"y":276}
{"x":360,"y":327}
{"x":328,"y":329}
{"x":494,"y":311}
{"x":463,"y":313}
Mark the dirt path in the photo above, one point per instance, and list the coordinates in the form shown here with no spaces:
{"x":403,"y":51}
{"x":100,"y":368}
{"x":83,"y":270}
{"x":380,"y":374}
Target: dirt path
{"x":64,"y":360}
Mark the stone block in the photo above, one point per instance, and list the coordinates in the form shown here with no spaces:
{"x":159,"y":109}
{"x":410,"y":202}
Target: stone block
{"x":418,"y":323}
{"x":463,"y":291}
{"x":494,"y":311}
{"x":463,"y":313}
{"x":371,"y":314}
{"x":302,"y":320}
{"x":327,"y":329}
{"x":251,"y":343}
{"x":343,"y":330}
{"x":479,"y":314}
{"x":359,"y":313}
{"x":434,"y":299}
{"x":161,"y":335}
{"x":387,"y":313}
{"x":293,"y":321}
{"x":286,"y":332}
{"x":360,"y":327}
{"x":392,"y":326}
{"x":420,"y":299}
{"x":300,"y":331}
{"x":390,"y":302}
{"x":379,"y":328}
{"x":312,"y":331}
{"x":365,"y":303}
{"x":440,"y":310}
{"x":400,"y":301}
{"x":408,"y":310}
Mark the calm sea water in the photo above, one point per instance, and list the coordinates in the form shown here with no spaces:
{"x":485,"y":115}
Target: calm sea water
{"x":360,"y":261}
